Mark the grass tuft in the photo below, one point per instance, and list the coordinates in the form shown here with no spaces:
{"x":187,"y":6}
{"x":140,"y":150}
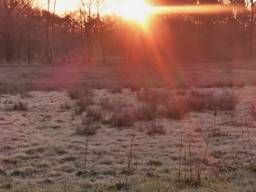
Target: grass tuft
{"x":19,"y":106}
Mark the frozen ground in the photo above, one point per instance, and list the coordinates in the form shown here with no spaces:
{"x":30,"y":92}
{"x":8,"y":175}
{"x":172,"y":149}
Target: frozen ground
{"x":40,"y":146}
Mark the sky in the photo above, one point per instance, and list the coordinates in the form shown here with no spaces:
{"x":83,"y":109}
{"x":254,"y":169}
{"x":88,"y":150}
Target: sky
{"x":130,"y":9}
{"x":62,"y":6}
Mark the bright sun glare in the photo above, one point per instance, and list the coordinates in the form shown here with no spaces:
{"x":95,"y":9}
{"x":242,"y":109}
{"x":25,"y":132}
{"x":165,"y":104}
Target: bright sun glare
{"x":132,"y":10}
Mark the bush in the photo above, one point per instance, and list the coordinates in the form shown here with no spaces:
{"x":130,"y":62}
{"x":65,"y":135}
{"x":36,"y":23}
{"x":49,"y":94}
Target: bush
{"x":94,"y":114}
{"x":155,"y":129}
{"x":19,"y":106}
{"x":177,"y":108}
{"x":226,"y":101}
{"x":106,"y":104}
{"x":147,"y":112}
{"x":154,"y":163}
{"x":198,"y":101}
{"x":253,"y":111}
{"x":88,"y":126}
{"x":87,"y":130}
{"x":77,"y":93}
{"x":150,"y":96}
{"x":123,"y":118}
{"x":161,"y":104}
{"x":82,"y":104}
{"x":74,"y":94}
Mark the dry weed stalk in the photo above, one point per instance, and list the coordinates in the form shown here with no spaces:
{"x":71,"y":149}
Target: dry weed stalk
{"x":247,"y":146}
{"x":191,"y":174}
{"x":190,"y":161}
{"x":86,"y":152}
{"x":180,"y":153}
{"x":131,"y":152}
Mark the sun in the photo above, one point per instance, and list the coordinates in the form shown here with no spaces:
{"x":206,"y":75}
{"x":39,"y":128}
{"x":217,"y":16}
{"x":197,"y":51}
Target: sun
{"x":131,"y":10}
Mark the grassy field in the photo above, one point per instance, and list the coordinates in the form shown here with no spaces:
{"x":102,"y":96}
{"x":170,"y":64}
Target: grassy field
{"x":119,"y":127}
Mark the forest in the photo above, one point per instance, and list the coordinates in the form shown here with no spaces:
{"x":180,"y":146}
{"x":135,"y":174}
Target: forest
{"x":29,"y":35}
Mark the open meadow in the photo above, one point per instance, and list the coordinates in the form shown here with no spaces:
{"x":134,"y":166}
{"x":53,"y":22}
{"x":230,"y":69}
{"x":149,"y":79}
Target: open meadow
{"x":98,"y":128}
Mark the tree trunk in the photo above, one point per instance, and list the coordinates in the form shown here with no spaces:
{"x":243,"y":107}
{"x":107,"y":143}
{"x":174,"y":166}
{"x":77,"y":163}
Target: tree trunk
{"x":102,"y":43}
{"x":251,"y":32}
{"x":47,"y":50}
{"x":28,"y":48}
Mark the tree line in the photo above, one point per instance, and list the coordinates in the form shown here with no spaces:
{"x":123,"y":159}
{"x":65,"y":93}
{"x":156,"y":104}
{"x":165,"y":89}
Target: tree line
{"x":29,"y":35}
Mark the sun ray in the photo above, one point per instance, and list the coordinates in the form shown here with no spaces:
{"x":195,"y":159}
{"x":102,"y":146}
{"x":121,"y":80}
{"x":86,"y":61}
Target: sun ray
{"x":192,"y":9}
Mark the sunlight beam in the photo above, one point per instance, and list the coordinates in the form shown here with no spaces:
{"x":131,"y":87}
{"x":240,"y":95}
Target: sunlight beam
{"x":193,"y":9}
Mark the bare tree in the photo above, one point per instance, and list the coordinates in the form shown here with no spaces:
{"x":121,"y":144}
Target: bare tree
{"x":100,"y":22}
{"x":86,"y":14}
{"x":13,"y":10}
{"x":251,"y":28}
{"x":47,"y":50}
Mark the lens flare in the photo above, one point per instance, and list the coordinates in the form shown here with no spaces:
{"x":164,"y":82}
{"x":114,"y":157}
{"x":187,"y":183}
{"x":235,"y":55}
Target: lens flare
{"x":131,"y":10}
{"x":192,"y":9}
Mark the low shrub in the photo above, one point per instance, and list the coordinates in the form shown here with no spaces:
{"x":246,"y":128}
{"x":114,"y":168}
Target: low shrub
{"x":19,"y":106}
{"x":123,"y":117}
{"x":155,"y":129}
{"x":177,"y":108}
{"x":88,"y":127}
{"x":199,"y":100}
{"x":82,"y":104}
{"x":94,"y":113}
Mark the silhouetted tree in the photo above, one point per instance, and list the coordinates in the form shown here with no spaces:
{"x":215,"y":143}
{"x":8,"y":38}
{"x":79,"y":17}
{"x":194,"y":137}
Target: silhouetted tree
{"x":183,"y":37}
{"x":252,"y":5}
{"x":14,"y":14}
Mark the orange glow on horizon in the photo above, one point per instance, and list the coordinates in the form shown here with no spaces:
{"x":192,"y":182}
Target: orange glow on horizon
{"x":137,"y":11}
